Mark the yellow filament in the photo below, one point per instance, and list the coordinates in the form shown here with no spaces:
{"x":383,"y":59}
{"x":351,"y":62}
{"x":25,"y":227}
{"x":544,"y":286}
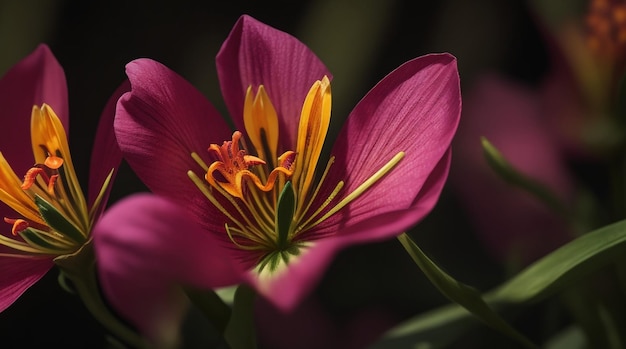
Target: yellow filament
{"x":299,"y":215}
{"x":24,"y":256}
{"x":264,"y":209}
{"x":207,"y":193}
{"x":326,"y":202}
{"x":262,"y":244}
{"x":98,"y":201}
{"x":21,"y":246}
{"x":362,"y":188}
{"x":200,"y":162}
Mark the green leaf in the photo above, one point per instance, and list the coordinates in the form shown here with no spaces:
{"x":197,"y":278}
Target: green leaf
{"x":511,"y":175}
{"x":284,"y":214}
{"x":57,"y":221}
{"x":460,"y":293}
{"x":553,"y":273}
{"x":240,"y":332}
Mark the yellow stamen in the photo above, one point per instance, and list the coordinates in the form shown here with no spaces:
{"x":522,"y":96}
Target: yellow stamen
{"x":363,"y":187}
{"x":49,"y":141}
{"x":261,"y":123}
{"x":50,"y":198}
{"x":312,"y":130}
{"x":252,"y":185}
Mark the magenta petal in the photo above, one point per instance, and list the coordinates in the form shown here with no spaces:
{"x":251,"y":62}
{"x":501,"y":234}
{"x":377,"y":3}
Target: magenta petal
{"x":106,"y":154}
{"x":35,"y":80}
{"x":256,"y":54}
{"x":286,"y":288}
{"x":159,"y":124}
{"x":18,"y":274}
{"x":146,"y":247}
{"x":415,"y":110}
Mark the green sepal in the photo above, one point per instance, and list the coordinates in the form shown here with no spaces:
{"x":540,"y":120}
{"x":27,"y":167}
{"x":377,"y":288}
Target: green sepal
{"x":274,"y":259}
{"x":464,"y":295}
{"x":514,"y":177}
{"x":79,"y":270}
{"x":43,"y":241}
{"x":57,"y":221}
{"x":285,"y":209}
{"x":558,"y":271}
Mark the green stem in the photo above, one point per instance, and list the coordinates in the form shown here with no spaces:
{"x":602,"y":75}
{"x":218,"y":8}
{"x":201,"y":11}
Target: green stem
{"x":80,"y":269}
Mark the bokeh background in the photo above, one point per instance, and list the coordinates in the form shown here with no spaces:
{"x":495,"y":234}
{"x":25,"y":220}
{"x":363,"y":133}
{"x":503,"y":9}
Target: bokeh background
{"x":367,"y":288}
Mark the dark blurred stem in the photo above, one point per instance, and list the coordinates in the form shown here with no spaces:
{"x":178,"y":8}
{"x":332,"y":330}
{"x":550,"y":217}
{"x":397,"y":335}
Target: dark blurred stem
{"x":212,"y":306}
{"x":618,"y":185}
{"x":619,"y":199}
{"x":615,"y":301}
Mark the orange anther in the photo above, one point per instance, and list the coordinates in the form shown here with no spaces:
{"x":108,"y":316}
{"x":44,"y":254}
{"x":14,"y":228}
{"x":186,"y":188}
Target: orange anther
{"x":19,"y":225}
{"x":53,"y":162}
{"x":31,"y":175}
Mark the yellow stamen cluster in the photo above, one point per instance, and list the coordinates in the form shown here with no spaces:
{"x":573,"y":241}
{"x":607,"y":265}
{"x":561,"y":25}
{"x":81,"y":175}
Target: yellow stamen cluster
{"x":248,"y":189}
{"x":53,"y":216}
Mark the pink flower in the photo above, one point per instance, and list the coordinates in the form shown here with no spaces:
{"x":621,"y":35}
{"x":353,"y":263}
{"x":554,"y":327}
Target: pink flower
{"x":514,"y":225}
{"x":267,"y":201}
{"x":47,"y":214}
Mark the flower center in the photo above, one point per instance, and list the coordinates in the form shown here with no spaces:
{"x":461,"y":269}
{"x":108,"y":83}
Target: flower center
{"x":268,"y":199}
{"x":231,"y":171}
{"x":51,"y":213}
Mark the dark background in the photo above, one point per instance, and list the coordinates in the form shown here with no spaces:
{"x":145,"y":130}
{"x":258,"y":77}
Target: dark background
{"x":360,"y":41}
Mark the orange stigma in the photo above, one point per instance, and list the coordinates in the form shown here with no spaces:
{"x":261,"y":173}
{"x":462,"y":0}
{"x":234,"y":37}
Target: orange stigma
{"x":18,"y":225}
{"x":47,"y":173}
{"x":231,"y":171}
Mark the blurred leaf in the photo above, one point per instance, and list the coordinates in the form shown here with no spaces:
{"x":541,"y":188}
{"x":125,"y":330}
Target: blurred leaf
{"x":212,"y":307}
{"x":511,"y":175}
{"x":460,"y":293}
{"x":553,"y":273}
{"x":570,"y":338}
{"x":240,"y":333}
